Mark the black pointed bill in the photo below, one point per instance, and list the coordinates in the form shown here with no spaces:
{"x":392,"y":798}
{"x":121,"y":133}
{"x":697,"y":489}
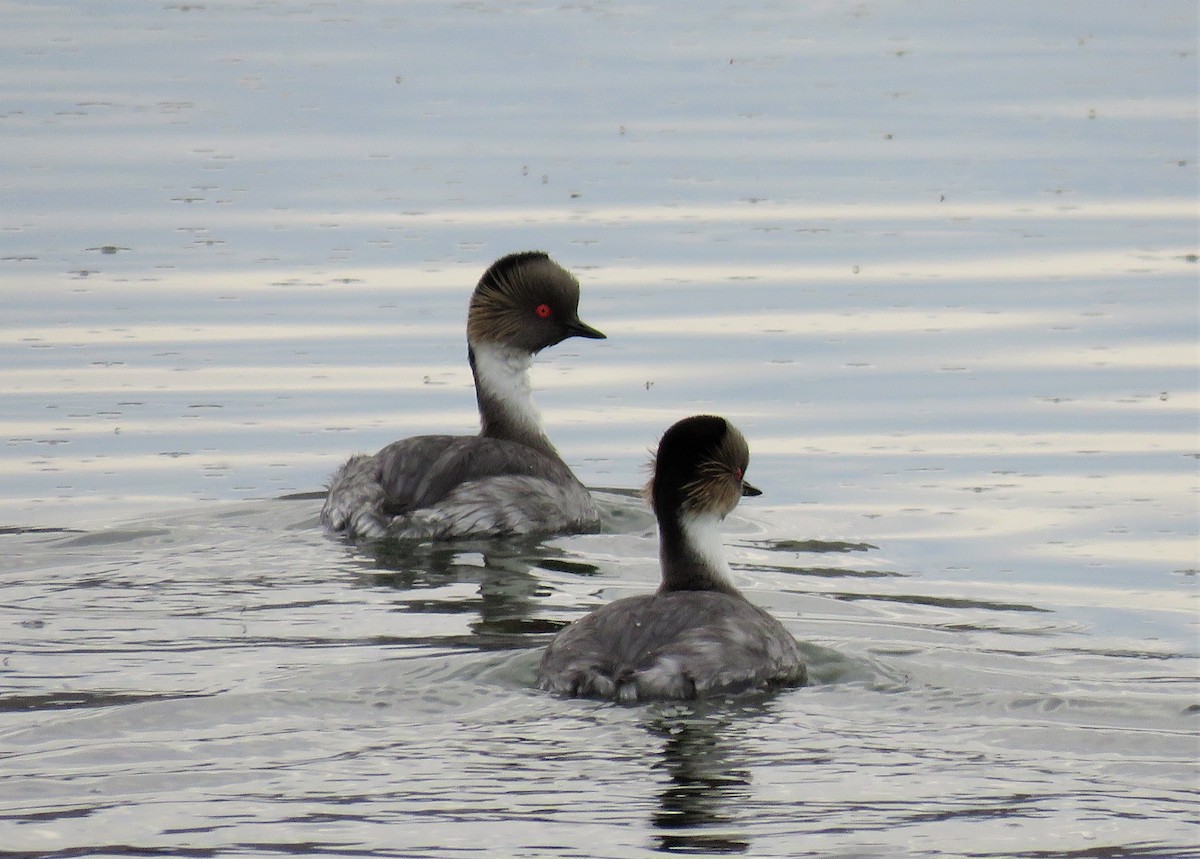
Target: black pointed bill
{"x":749,"y":491}
{"x":578,"y":328}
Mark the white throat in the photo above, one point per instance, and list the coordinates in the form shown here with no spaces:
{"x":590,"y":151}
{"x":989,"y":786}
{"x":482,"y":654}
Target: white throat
{"x":702,"y":533}
{"x":502,"y":374}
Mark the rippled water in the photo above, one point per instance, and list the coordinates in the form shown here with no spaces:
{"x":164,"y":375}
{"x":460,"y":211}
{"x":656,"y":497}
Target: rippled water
{"x":938,"y":261}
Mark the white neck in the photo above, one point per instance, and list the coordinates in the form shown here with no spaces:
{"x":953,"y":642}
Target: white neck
{"x":702,"y":533}
{"x":502,"y":377}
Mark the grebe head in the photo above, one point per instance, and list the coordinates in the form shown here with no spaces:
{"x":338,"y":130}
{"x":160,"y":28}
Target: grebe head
{"x":700,"y":469}
{"x":526,"y":301}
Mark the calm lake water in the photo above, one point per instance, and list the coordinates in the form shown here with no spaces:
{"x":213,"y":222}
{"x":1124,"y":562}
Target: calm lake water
{"x":937,"y":260}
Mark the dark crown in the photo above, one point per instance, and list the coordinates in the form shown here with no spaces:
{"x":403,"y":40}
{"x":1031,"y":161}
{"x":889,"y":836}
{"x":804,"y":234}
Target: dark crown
{"x":524,"y":300}
{"x":699,"y":467}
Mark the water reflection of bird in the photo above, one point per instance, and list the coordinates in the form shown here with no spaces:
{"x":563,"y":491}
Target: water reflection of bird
{"x":428,"y":579}
{"x":506,"y":480}
{"x":697,"y":635}
{"x":699,"y":804}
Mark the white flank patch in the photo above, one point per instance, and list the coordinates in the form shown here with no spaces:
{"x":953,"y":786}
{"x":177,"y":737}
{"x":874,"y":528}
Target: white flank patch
{"x":503,"y":372}
{"x":702,"y":532}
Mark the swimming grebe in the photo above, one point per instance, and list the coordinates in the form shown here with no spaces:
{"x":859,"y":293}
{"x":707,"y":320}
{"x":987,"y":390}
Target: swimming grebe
{"x":697,"y":636}
{"x":509,"y":479}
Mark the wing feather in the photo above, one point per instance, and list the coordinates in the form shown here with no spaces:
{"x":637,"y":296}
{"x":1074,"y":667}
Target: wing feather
{"x":419,"y":472}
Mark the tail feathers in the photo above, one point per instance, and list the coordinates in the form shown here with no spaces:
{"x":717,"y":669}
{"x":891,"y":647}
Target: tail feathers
{"x":354,"y":496}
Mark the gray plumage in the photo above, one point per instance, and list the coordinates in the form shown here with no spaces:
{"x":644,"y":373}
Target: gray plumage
{"x":509,"y":479}
{"x":698,"y":636}
{"x":673,"y":645}
{"x":442,"y":487}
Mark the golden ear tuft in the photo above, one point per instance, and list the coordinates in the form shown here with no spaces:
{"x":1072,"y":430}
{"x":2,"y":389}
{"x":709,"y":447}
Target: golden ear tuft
{"x":491,"y":317}
{"x":718,"y":483}
{"x":714,"y":489}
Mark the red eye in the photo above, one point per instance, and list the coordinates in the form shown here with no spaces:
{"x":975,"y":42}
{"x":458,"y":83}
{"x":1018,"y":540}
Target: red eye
{"x":737,"y":474}
{"x":543,"y":311}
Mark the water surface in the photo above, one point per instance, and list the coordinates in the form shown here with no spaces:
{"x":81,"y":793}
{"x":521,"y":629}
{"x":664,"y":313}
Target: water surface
{"x":938,"y":261}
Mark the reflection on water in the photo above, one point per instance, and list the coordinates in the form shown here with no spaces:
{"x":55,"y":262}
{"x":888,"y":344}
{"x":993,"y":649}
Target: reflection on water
{"x":497,"y":585}
{"x":701,"y":805}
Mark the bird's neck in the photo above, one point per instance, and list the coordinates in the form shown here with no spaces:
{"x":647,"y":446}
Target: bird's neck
{"x":692,"y":554}
{"x":506,"y":409}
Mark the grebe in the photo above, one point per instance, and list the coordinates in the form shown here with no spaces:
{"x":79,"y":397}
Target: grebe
{"x":506,"y":480}
{"x":698,"y":636}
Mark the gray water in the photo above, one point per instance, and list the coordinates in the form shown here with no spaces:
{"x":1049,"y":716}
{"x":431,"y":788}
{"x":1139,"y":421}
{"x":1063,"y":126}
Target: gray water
{"x":937,"y":260}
